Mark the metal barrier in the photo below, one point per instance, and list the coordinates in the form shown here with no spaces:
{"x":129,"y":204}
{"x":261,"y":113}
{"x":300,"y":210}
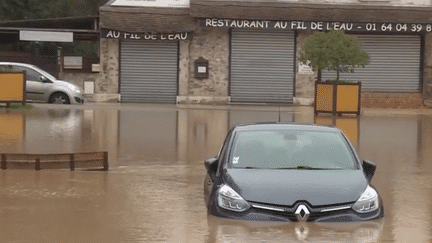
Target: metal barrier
{"x":86,"y":160}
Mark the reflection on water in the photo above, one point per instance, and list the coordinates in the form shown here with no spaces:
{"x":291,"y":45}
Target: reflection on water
{"x":350,"y":126}
{"x":12,"y":131}
{"x":154,"y":189}
{"x":223,"y":230}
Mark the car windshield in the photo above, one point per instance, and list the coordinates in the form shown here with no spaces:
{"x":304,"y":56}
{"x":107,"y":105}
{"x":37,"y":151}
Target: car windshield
{"x":291,"y":150}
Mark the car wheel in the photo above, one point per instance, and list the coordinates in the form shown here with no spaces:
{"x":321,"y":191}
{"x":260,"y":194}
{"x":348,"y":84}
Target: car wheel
{"x":59,"y":98}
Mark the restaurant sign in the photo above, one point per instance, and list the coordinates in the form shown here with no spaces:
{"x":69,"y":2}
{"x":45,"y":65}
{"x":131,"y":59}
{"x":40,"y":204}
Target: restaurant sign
{"x":316,"y":25}
{"x":123,"y":35}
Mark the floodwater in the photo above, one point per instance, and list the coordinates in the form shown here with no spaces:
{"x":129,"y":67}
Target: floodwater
{"x":153,"y":191}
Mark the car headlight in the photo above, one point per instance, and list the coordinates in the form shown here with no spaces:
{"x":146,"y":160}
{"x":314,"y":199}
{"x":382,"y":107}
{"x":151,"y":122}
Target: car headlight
{"x":231,"y":200}
{"x":367,"y":202}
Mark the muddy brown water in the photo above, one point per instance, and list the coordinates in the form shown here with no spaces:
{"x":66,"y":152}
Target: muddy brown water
{"x":153,"y":191}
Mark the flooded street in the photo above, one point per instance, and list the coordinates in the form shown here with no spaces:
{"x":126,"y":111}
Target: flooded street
{"x":153,"y":191}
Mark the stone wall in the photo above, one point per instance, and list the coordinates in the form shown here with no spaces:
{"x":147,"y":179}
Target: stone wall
{"x":427,"y":71}
{"x":106,"y":88}
{"x":184,"y":53}
{"x":304,"y":83}
{"x":212,"y":45}
{"x":392,"y":100}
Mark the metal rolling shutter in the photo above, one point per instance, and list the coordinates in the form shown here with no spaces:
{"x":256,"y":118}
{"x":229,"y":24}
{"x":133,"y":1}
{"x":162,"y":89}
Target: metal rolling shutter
{"x":148,"y":71}
{"x":262,"y":66}
{"x":394,"y":64}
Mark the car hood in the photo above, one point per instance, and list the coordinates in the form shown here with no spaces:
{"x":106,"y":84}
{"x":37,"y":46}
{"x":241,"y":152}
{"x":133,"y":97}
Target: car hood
{"x":285,"y":187}
{"x":66,"y":85}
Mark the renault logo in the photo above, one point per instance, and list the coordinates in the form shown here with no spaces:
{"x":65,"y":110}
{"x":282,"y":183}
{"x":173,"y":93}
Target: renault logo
{"x":302,"y":213}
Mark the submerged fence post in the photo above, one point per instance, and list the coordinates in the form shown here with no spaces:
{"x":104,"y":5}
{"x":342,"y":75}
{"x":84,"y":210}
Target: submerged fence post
{"x":72,"y":162}
{"x":37,"y":164}
{"x":3,"y":162}
{"x":105,"y":160}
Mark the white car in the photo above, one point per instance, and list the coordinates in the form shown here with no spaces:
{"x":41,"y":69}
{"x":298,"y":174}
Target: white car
{"x":43,"y":87}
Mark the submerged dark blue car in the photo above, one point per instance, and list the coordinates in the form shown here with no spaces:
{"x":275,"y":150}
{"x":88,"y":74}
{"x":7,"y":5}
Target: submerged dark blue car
{"x":290,"y":172}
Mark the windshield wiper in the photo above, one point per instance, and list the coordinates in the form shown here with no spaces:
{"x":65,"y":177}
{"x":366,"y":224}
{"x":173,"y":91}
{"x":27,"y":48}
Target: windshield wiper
{"x":303,"y":167}
{"x":251,"y":167}
{"x":300,"y":167}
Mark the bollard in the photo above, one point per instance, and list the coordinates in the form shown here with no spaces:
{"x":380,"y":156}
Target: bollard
{"x":37,"y":164}
{"x":3,"y":162}
{"x":72,"y":162}
{"x":105,"y":161}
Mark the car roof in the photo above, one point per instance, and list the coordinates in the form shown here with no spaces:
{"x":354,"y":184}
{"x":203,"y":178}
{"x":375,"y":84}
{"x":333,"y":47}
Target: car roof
{"x":17,"y":63}
{"x":285,"y":126}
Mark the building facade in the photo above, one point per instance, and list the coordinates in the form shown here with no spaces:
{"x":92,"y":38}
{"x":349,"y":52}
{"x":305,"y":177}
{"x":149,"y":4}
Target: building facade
{"x":220,"y":52}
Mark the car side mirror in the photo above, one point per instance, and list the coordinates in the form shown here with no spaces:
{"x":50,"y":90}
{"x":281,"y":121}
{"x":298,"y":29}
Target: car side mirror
{"x":369,"y":168}
{"x":44,"y":79}
{"x":211,"y":164}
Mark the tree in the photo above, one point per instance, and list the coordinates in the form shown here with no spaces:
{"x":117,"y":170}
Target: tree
{"x":333,"y":50}
{"x":41,"y":9}
{"x":18,"y":10}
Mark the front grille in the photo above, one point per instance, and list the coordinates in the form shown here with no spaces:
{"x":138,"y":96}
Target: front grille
{"x":316,"y":212}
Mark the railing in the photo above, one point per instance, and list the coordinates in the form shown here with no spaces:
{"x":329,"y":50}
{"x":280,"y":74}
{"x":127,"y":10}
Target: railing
{"x":95,"y":160}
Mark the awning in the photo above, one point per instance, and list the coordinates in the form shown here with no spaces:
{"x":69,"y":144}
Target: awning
{"x":285,"y":10}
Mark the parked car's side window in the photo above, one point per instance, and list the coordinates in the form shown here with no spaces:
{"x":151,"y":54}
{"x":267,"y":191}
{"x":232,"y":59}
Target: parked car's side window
{"x":30,"y":73}
{"x":5,"y":68}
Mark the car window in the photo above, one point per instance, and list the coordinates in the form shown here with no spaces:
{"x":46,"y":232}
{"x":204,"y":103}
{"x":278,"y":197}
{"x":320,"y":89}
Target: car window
{"x":30,"y":73}
{"x":222,"y":152}
{"x":290,"y":149}
{"x":5,"y":68}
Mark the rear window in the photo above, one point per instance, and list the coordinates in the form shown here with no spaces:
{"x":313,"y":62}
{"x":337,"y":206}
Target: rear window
{"x":290,"y":149}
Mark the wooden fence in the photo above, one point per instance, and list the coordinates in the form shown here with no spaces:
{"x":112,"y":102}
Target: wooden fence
{"x":91,"y":160}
